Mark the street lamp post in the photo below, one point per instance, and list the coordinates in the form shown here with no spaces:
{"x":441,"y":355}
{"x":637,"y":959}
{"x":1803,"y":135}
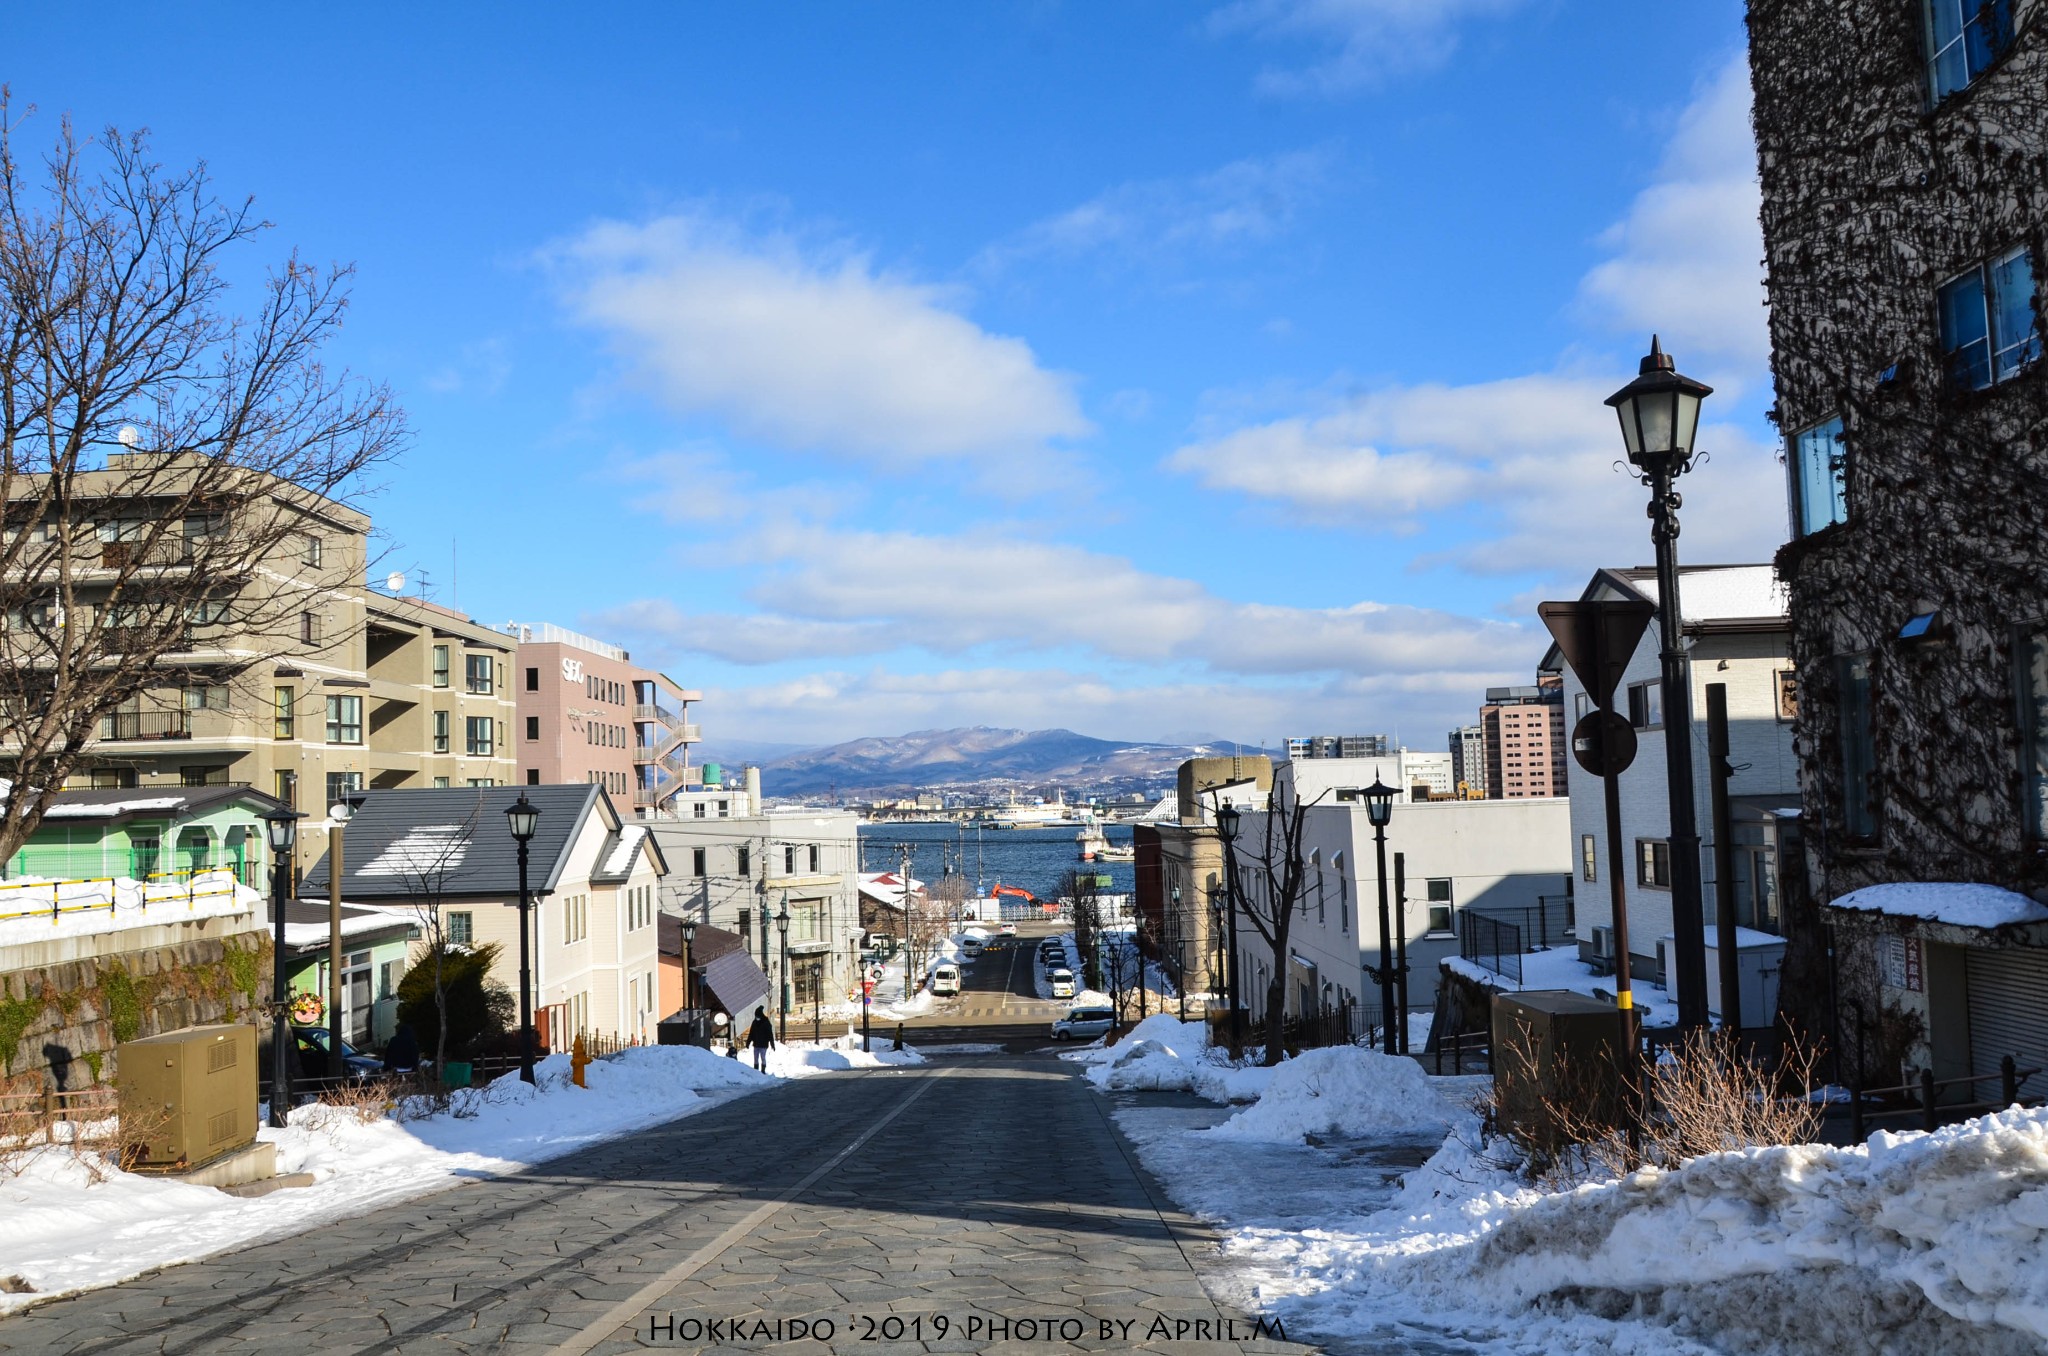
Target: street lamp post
{"x":782,"y":926}
{"x":280,"y":830}
{"x":1660,"y":415}
{"x":689,"y":980}
{"x":1180,"y":964}
{"x":817,"y":999}
{"x":340,"y":812}
{"x":1228,"y":820}
{"x":1379,"y":808}
{"x":522,"y":817}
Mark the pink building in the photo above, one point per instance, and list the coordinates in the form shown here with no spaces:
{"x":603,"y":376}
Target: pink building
{"x":1524,"y":732}
{"x":587,"y":713}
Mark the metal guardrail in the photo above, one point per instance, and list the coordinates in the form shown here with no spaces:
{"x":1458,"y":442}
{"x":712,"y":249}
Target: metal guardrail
{"x":146,"y":725}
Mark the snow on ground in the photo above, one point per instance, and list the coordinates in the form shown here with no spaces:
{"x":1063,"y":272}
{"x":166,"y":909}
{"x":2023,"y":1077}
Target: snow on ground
{"x":35,"y":909}
{"x":1164,"y":1054}
{"x":1559,"y":967}
{"x":1380,"y":1233}
{"x":65,"y":1231}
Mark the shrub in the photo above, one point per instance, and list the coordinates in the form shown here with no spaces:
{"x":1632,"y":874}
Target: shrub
{"x":479,"y":1009}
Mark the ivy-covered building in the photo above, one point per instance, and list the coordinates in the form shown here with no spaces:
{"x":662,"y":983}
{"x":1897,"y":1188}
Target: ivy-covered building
{"x":1903,"y":152}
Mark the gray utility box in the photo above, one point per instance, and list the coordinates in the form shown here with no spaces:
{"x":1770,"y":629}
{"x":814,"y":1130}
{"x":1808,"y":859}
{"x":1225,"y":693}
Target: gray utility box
{"x":1557,"y":1050}
{"x":187,"y":1097}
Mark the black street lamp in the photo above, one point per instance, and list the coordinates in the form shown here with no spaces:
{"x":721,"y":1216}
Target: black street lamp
{"x":1228,"y":820}
{"x":817,"y":999}
{"x":782,"y":926}
{"x":689,"y":980}
{"x":523,"y":817}
{"x":280,"y":830}
{"x":1660,"y":415}
{"x":340,"y":812}
{"x":1180,"y":960}
{"x":1379,"y":808}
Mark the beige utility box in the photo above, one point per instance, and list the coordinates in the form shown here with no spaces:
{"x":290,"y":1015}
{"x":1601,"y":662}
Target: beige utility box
{"x":187,"y":1097}
{"x":1557,"y":1050}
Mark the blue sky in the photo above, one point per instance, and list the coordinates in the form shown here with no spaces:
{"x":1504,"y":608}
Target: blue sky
{"x":1149,"y":369}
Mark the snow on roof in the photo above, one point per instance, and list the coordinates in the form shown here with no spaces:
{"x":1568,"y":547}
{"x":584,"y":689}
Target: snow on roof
{"x":431,"y":850}
{"x":621,"y":856}
{"x":113,"y":808}
{"x":356,"y":920}
{"x":1962,"y":905}
{"x":1721,"y":592}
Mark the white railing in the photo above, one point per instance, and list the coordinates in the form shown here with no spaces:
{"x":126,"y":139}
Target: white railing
{"x":547,"y":633}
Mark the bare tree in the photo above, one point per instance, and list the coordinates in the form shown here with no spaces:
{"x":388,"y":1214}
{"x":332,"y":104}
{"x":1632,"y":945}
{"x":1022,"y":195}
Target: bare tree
{"x":1271,"y":875}
{"x":161,"y":456}
{"x":423,"y":860}
{"x":1083,"y":896}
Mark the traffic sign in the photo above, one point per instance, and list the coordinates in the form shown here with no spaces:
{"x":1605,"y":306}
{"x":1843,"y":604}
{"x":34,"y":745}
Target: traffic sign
{"x":1598,"y":639}
{"x":1604,"y":743}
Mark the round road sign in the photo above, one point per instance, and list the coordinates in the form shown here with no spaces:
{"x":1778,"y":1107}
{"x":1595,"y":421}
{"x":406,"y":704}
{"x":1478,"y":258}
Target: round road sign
{"x":1604,"y":743}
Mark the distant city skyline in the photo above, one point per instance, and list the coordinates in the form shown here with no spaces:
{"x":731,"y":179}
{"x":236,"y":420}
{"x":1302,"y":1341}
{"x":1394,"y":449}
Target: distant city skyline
{"x":1131,"y":371}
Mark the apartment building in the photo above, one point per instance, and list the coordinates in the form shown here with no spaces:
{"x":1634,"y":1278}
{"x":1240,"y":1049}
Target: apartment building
{"x":1523,"y":731}
{"x":1468,"y":761}
{"x":1340,"y":746}
{"x":1903,"y":155}
{"x":587,"y":713}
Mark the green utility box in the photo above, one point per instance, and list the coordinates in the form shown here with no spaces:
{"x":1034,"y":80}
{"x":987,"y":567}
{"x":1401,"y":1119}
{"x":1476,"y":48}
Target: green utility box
{"x":1558,"y":1050}
{"x":187,"y":1097}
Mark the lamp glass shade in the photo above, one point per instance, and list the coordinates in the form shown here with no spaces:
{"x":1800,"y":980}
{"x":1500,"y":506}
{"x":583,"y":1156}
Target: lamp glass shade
{"x":341,"y":812}
{"x":1659,"y":411}
{"x":782,"y":920}
{"x":1379,"y":803}
{"x":280,"y":830}
{"x":1228,"y":817}
{"x":522,"y":817}
{"x":689,"y":933}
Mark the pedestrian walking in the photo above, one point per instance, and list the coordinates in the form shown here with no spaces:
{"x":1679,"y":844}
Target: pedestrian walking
{"x":402,"y":1055}
{"x":761,"y":1035}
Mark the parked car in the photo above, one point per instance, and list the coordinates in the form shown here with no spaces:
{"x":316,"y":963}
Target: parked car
{"x":312,"y":1041}
{"x":970,"y":946}
{"x":1083,"y":1024}
{"x":1062,"y":981}
{"x":945,"y":980}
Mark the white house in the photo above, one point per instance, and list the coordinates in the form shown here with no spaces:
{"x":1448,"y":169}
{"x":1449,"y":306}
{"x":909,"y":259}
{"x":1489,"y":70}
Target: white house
{"x":1506,"y":860}
{"x":1735,"y":624}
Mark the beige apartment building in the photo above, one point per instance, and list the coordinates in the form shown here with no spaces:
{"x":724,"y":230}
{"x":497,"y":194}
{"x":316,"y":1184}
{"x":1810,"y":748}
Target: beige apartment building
{"x":303,"y":686}
{"x":587,"y":713}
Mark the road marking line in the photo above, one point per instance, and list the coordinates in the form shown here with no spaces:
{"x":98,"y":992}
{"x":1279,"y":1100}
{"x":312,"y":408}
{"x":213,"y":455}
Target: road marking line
{"x":626,"y":1309}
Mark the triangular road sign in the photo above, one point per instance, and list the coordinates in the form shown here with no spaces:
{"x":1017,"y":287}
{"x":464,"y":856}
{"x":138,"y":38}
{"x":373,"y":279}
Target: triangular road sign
{"x":1598,"y":639}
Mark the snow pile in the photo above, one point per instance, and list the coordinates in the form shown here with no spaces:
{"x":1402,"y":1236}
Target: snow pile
{"x":1969,"y":906}
{"x":1163,"y":1054}
{"x":799,"y":1061}
{"x":36,"y":910}
{"x":68,"y":1231}
{"x":1559,"y":967}
{"x":1342,"y":1090}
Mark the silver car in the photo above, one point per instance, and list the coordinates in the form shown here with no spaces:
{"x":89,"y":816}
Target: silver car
{"x":1083,"y":1024}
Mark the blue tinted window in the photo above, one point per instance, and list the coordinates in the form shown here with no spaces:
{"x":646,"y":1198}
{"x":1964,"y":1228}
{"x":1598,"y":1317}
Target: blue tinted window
{"x":1819,"y":478}
{"x":1963,"y":38}
{"x":1987,"y":322}
{"x":2015,"y":341}
{"x":1966,"y":331}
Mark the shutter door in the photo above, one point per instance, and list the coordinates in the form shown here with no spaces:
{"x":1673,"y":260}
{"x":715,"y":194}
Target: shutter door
{"x":2008,"y":1012}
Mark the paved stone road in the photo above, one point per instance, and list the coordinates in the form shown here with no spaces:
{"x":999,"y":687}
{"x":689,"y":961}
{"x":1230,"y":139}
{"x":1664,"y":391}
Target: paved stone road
{"x":994,"y":1189}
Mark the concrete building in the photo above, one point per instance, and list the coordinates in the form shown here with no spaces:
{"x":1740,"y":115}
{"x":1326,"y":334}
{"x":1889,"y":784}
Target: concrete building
{"x":1523,"y":731}
{"x":1904,"y":169}
{"x":1179,"y":867}
{"x":1468,"y":762}
{"x":1502,"y":858}
{"x":1340,"y":746}
{"x":1418,"y":775}
{"x":587,"y":713}
{"x":1735,"y":619}
{"x":595,"y":878}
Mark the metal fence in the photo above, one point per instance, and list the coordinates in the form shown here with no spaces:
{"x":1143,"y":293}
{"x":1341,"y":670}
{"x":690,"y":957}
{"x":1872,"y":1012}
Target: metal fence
{"x":1498,"y":936}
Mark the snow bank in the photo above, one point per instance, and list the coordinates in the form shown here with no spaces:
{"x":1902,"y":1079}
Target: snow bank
{"x":33,"y":909}
{"x":1559,"y":967}
{"x":1341,"y":1090}
{"x":66,"y":1231}
{"x":1164,"y":1054}
{"x":1970,"y":906}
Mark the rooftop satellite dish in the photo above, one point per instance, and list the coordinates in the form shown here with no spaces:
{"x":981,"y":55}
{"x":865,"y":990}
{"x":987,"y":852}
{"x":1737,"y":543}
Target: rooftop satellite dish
{"x":395,"y":581}
{"x":130,"y":436}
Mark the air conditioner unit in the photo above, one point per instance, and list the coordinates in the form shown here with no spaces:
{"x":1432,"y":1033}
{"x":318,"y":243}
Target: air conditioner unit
{"x":1603,"y":943}
{"x":1664,"y":976}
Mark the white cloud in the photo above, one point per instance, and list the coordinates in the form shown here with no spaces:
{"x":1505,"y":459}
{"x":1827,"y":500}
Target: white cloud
{"x":1247,"y":202}
{"x":815,"y":350}
{"x":1687,"y":257}
{"x":1373,"y":39}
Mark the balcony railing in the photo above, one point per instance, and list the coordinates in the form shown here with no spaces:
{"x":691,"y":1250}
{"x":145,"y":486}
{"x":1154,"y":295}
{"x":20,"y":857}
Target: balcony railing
{"x":146,"y":725}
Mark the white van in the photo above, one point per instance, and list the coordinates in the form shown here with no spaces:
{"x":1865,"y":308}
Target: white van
{"x":945,"y":979}
{"x":1062,"y":982}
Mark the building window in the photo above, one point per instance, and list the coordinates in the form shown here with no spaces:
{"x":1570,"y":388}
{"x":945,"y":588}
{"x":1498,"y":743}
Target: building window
{"x":721,"y":809}
{"x":285,"y":721}
{"x":1439,"y":895}
{"x":746,"y":862}
{"x":461,"y":928}
{"x":1963,"y":38}
{"x":1859,"y":750}
{"x":1820,"y":478}
{"x":533,"y":776}
{"x":1646,"y":705}
{"x":344,"y":720}
{"x":440,"y":666}
{"x":533,"y":727}
{"x":697,"y":862}
{"x":340,"y":784}
{"x":212,"y":774}
{"x":575,"y":919}
{"x":2032,"y":655}
{"x":483,"y":781}
{"x":1987,"y":322}
{"x":789,"y":859}
{"x":814,"y":859}
{"x":1589,"y":857}
{"x":205,"y":697}
{"x":697,"y":810}
{"x":309,"y":628}
{"x":533,"y":680}
{"x":287,"y":789}
{"x":441,"y":732}
{"x":1653,"y":863}
{"x":476,"y":732}
{"x":476,"y":673}
{"x":1788,"y":694}
{"x":311,"y":552}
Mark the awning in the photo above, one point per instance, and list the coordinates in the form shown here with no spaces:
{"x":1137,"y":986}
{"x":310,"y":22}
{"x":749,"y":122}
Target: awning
{"x":736,"y":982}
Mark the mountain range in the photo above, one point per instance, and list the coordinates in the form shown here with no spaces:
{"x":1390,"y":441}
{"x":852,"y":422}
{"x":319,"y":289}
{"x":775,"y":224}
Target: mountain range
{"x":927,"y":759}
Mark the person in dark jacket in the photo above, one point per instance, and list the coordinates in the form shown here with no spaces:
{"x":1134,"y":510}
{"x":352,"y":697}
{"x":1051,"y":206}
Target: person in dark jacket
{"x":402,"y":1053}
{"x":761,"y":1035}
